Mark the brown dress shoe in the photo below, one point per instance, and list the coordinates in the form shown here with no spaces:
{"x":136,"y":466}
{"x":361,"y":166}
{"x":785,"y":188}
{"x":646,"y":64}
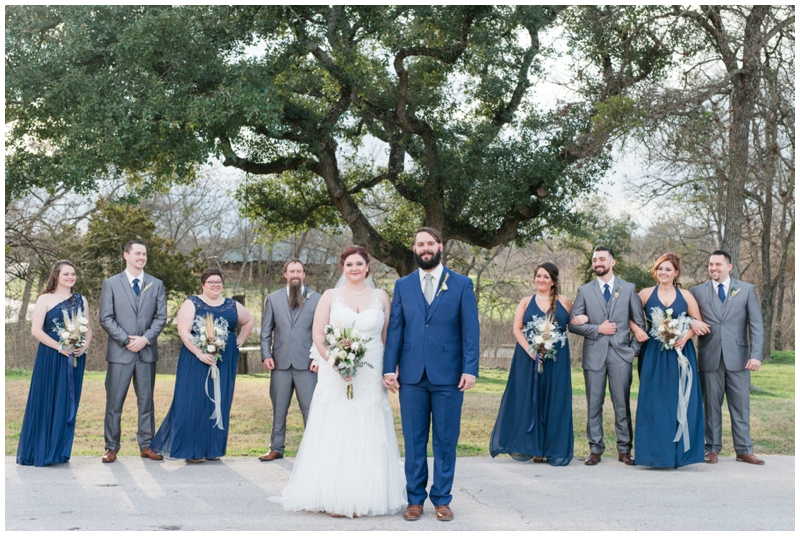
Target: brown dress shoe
{"x":334,"y":515}
{"x":150,"y":453}
{"x":749,"y":458}
{"x":195,"y":460}
{"x":712,"y":457}
{"x":109,"y":457}
{"x":593,"y":459}
{"x":271,"y":455}
{"x":413,"y":512}
{"x":625,"y":457}
{"x":443,"y":513}
{"x":538,"y":459}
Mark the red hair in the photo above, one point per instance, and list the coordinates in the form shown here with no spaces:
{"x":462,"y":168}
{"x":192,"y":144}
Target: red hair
{"x":354,"y":250}
{"x":676,"y":263}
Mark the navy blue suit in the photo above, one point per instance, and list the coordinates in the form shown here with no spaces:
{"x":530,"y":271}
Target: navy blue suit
{"x":433,"y":346}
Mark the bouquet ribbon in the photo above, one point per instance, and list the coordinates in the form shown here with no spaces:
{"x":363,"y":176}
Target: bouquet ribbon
{"x":71,"y":389}
{"x":213,"y":371}
{"x":684,"y":392}
{"x":535,"y":388}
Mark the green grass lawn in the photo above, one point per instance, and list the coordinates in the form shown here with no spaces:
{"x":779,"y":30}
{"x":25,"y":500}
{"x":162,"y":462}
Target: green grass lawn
{"x":771,"y":413}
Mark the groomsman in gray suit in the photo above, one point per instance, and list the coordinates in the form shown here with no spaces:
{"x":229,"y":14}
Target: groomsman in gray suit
{"x":726,"y":354}
{"x":133,"y":311}
{"x":285,"y":347}
{"x":602,"y":313}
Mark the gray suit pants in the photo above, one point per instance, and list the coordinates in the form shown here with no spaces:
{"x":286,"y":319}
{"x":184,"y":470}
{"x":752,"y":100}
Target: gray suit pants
{"x":736,"y":387}
{"x":281,"y":385}
{"x":118,"y":380}
{"x":619,"y":374}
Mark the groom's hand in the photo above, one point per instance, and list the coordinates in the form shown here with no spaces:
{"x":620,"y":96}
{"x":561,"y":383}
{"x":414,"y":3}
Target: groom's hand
{"x":390,"y":382}
{"x":467,"y":382}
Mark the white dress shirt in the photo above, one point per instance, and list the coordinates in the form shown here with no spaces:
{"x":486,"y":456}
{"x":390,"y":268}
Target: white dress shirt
{"x":131,"y":277}
{"x":437,"y":275}
{"x":725,"y":284}
{"x":603,"y":285}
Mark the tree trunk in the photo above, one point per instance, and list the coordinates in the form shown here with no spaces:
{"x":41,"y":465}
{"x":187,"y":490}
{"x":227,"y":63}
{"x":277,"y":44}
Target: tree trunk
{"x":777,"y":334}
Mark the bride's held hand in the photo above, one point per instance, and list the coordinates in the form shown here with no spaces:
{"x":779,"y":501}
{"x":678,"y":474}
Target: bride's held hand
{"x":208,"y":359}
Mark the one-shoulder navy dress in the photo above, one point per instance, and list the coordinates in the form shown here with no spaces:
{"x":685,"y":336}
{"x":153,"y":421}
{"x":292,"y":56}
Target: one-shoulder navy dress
{"x":48,"y":427}
{"x":188,"y":430}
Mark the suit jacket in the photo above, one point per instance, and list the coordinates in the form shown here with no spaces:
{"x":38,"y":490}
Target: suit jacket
{"x":624,"y":305}
{"x":442,"y":339}
{"x":123,"y":314}
{"x":730,"y":323}
{"x":286,"y":334}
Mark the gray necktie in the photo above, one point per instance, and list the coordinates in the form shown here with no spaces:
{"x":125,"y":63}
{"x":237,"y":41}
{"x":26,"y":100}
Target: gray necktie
{"x":428,"y":290}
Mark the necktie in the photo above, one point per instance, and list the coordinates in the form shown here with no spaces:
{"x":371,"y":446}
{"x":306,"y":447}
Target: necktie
{"x":606,"y":293}
{"x":136,"y":287}
{"x":721,"y":292}
{"x":428,"y":290}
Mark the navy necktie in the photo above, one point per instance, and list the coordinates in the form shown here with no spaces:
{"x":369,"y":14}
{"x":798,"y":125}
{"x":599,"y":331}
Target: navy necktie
{"x":136,"y":287}
{"x":721,"y":292}
{"x":606,"y":293}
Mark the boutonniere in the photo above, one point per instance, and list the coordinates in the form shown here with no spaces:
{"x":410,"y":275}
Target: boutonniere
{"x":616,"y":293}
{"x":443,"y":285}
{"x":147,"y":286}
{"x":734,"y":292}
{"x":306,"y":293}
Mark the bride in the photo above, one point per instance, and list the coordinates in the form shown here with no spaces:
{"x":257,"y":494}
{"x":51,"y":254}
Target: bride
{"x":348,"y":464}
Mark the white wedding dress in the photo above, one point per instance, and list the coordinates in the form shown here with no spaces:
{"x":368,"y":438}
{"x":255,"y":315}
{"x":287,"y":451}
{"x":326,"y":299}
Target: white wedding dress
{"x":349,"y":462}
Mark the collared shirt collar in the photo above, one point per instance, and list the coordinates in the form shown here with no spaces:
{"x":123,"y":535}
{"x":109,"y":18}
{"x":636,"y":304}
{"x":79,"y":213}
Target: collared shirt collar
{"x":725,"y":284}
{"x":131,"y":277}
{"x":603,"y":285}
{"x":436,"y":273}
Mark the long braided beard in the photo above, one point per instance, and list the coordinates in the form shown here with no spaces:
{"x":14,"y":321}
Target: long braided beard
{"x":295,"y":294}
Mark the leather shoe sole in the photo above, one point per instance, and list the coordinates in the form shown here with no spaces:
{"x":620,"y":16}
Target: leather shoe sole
{"x":413,"y":512}
{"x":271,"y":455}
{"x":443,"y":513}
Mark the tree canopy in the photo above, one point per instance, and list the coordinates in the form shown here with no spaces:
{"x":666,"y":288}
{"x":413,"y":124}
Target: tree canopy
{"x":293,"y":96}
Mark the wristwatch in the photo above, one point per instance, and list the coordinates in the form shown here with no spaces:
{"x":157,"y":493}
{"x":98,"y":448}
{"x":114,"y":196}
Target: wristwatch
{"x":126,"y":342}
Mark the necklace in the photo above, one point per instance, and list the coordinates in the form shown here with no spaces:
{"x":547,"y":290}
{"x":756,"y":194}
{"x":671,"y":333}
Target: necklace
{"x":355,"y":293}
{"x":61,"y":295}
{"x":546,"y":298}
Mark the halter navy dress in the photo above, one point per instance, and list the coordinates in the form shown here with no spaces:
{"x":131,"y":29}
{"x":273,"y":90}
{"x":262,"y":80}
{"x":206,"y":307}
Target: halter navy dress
{"x":48,"y":427}
{"x":188,"y":430}
{"x":657,"y":406}
{"x":552,"y":435}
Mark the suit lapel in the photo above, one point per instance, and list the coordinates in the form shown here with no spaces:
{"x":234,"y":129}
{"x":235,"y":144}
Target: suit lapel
{"x":284,"y":301}
{"x":599,"y":295}
{"x":714,"y":299}
{"x":437,"y":294}
{"x":726,"y":306}
{"x":416,"y":289}
{"x":145,"y":279}
{"x":128,"y":290}
{"x":612,"y":302}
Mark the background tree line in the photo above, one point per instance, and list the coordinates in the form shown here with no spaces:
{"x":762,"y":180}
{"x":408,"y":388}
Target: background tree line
{"x":358,"y":124}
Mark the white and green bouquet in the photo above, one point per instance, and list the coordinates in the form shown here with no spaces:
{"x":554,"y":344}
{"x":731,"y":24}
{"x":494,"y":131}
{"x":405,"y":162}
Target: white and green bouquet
{"x":72,"y":332}
{"x":543,"y":334}
{"x":346,"y":351}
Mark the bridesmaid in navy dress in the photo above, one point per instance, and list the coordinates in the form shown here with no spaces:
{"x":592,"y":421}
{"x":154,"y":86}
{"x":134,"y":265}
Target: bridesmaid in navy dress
{"x":657,"y":407}
{"x":541,"y":429}
{"x":48,"y":427}
{"x":188,"y":431}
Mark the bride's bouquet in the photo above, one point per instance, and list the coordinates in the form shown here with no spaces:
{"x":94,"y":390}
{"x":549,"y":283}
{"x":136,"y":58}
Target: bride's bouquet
{"x":72,"y":332}
{"x":346,"y":351}
{"x":668,"y":330}
{"x":543,"y":334}
{"x":211,"y":337}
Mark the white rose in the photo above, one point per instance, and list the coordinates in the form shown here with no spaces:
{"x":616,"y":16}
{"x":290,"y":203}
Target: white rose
{"x":673,"y":323}
{"x":83,"y":329}
{"x":343,"y":354}
{"x":70,"y":327}
{"x":211,"y":348}
{"x":538,"y":339}
{"x":548,"y":345}
{"x":64,"y":335}
{"x":337,"y":333}
{"x":331,"y":339}
{"x":351,"y":356}
{"x":669,"y":312}
{"x":354,"y":346}
{"x":354,"y":334}
{"x":83,"y":320}
{"x":661,"y":329}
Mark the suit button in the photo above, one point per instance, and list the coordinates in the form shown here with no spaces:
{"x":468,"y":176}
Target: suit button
{"x":426,"y":325}
{"x":609,"y":343}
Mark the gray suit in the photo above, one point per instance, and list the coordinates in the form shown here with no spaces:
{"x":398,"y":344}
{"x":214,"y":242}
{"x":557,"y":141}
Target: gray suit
{"x":286,"y":338}
{"x":722,"y":356}
{"x":122,"y":313}
{"x":608,"y":356}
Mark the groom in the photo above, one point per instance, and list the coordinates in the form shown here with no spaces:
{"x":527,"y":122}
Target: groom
{"x":431,"y":355}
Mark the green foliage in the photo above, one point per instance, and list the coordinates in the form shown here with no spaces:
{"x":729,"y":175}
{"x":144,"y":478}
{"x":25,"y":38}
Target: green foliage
{"x":115,"y":224}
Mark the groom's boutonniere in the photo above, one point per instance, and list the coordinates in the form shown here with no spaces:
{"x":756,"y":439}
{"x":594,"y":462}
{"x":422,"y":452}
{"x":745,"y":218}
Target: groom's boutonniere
{"x":734,"y":292}
{"x":616,"y":293}
{"x":147,"y":286}
{"x":306,"y":293}
{"x":443,"y":286}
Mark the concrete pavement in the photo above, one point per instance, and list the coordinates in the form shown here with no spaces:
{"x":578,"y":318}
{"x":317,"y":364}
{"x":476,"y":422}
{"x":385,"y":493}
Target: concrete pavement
{"x":489,"y":494}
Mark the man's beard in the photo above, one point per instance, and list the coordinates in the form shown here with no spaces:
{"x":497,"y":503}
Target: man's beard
{"x":601,"y":270}
{"x":295,"y":294}
{"x":429,"y":264}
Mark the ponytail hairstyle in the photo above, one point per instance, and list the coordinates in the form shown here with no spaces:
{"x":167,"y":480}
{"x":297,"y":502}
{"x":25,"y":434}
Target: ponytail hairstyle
{"x":552,"y":271}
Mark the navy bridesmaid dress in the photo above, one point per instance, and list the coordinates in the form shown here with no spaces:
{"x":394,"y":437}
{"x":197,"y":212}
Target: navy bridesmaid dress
{"x":552,"y":435}
{"x":657,"y":407}
{"x":48,"y":427}
{"x":188,"y":430}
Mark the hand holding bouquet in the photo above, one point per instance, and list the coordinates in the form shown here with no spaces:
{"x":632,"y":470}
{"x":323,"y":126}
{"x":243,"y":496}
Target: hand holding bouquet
{"x":72,"y":332}
{"x":211,"y":336}
{"x":346,"y":351}
{"x":543,"y":334}
{"x":668,"y":331}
